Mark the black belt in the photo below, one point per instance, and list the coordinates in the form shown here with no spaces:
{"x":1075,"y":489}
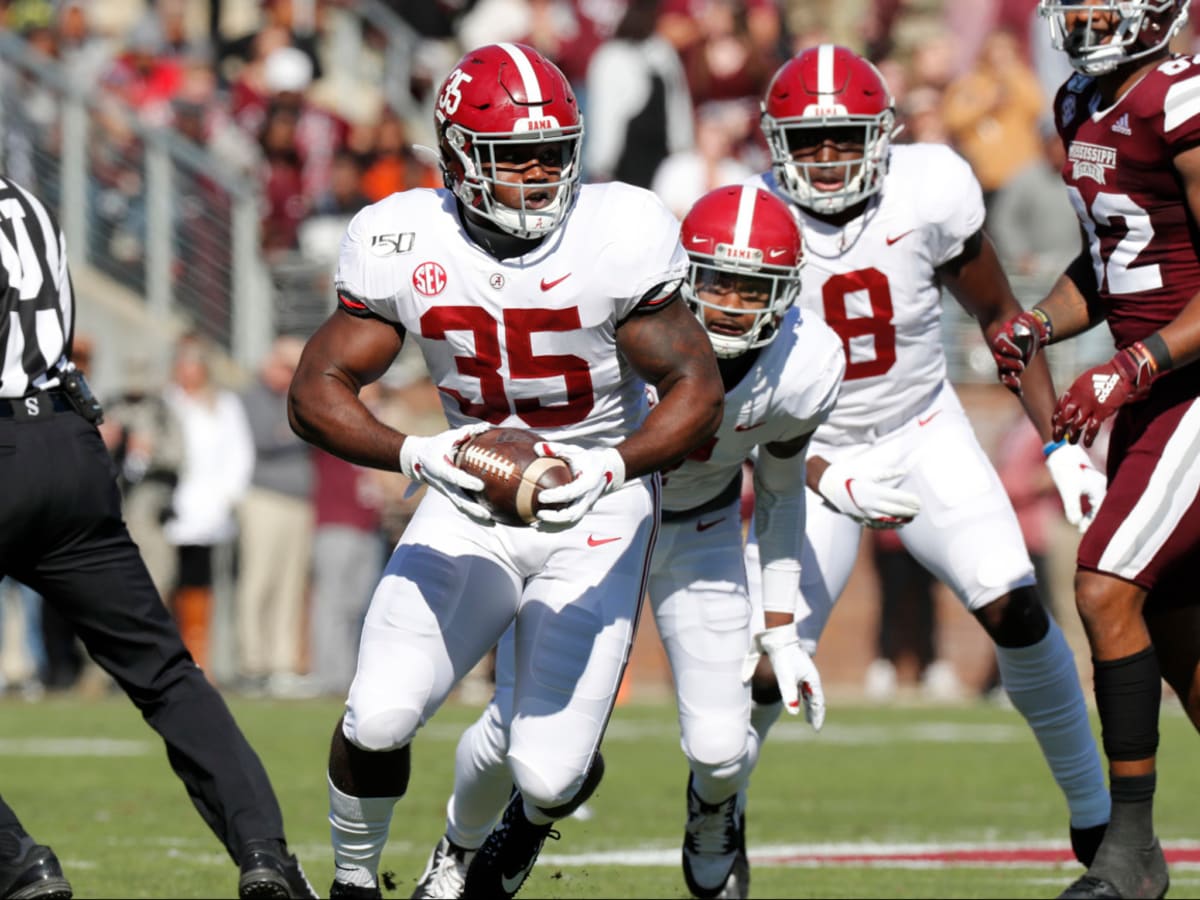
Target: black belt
{"x":35,"y":406}
{"x":729,"y":493}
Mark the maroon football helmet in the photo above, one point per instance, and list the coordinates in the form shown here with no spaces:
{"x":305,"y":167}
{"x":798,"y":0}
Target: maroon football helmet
{"x":823,"y":88}
{"x":1133,"y":29}
{"x":745,"y":239}
{"x":494,"y":98}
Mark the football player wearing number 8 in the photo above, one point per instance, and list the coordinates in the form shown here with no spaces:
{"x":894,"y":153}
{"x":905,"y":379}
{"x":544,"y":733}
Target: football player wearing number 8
{"x":1130,"y":125}
{"x":781,"y":372}
{"x":536,"y":303}
{"x":886,"y":226}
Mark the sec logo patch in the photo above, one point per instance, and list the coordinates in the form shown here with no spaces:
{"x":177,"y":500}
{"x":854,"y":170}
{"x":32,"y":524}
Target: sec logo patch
{"x":429,"y":278}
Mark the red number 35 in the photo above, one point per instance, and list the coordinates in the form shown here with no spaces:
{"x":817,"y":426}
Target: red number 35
{"x":519,"y":325}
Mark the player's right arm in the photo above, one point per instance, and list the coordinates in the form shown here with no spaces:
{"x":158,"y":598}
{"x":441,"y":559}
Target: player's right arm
{"x":324,"y":408}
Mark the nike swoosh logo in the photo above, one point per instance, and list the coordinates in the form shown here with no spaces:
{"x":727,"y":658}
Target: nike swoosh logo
{"x":594,"y":541}
{"x":704,"y":526}
{"x":929,"y":418}
{"x":892,"y":240}
{"x":512,"y":883}
{"x":776,"y":253}
{"x":740,"y":427}
{"x":546,"y":285}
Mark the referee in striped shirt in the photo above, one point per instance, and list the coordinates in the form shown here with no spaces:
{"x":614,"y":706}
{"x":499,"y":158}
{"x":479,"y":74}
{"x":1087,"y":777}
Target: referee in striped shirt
{"x":62,"y":534}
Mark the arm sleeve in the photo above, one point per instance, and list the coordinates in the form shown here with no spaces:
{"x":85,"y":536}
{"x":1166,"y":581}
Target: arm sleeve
{"x":779,"y":517}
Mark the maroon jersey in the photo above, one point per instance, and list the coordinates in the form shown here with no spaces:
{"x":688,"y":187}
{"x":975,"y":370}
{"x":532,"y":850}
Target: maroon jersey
{"x":1121,"y":179}
{"x":1145,"y":250}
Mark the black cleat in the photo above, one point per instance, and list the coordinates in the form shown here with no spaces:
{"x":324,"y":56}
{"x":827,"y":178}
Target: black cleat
{"x":31,"y":872}
{"x":269,"y":872}
{"x":1086,"y":841}
{"x":715,"y":864}
{"x":1120,"y":871}
{"x":507,"y":856}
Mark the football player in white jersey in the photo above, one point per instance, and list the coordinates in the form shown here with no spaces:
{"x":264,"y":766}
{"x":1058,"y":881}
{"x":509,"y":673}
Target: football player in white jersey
{"x":537,"y":303}
{"x":886,"y":227}
{"x":781,"y":372}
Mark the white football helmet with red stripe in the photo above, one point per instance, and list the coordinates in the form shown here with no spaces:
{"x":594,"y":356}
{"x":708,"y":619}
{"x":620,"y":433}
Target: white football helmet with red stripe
{"x":823,"y":88}
{"x":1099,"y":36}
{"x":495,"y":97}
{"x":742,"y":239}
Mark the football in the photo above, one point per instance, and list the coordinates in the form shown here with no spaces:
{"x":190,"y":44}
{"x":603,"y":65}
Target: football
{"x":513,"y":475}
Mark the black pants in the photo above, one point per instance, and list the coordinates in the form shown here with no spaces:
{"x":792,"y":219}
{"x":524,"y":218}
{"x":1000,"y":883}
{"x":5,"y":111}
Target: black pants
{"x":62,"y":534}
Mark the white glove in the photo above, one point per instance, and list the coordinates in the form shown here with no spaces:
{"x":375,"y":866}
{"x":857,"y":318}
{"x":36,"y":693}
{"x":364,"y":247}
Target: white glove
{"x":430,"y":460}
{"x":869,"y":496}
{"x":1076,"y":478}
{"x":597,"y":472}
{"x":795,"y":672}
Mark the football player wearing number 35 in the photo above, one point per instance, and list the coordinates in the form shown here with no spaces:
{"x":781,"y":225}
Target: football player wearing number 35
{"x":886,"y":226}
{"x":536,"y":303}
{"x":1129,"y":120}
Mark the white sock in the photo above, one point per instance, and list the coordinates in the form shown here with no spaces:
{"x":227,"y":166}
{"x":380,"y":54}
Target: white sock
{"x":763,"y":716}
{"x":482,"y":782}
{"x":359,"y":831}
{"x":1043,"y":684}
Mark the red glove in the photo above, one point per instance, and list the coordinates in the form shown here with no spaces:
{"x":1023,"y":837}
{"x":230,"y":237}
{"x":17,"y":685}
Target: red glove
{"x":1015,"y":344}
{"x":1101,"y":391}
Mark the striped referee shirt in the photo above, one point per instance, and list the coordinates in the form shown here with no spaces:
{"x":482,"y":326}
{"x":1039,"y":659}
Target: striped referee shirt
{"x":37,"y":307}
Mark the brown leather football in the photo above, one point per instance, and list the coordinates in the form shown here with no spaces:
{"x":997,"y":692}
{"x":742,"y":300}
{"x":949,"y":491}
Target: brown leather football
{"x":513,"y":475}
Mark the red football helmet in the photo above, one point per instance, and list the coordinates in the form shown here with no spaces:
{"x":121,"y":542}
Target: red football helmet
{"x":1134,"y":29}
{"x":744,"y":239}
{"x":495,"y":97}
{"x":828,"y":87}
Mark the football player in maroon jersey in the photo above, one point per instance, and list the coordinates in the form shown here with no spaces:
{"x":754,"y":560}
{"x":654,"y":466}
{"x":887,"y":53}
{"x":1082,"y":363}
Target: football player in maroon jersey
{"x":1130,"y":125}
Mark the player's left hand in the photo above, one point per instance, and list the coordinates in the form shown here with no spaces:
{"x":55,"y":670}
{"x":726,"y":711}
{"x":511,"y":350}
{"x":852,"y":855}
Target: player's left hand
{"x":795,"y":672}
{"x":1101,"y":391}
{"x":597,"y":472}
{"x":1080,"y":484}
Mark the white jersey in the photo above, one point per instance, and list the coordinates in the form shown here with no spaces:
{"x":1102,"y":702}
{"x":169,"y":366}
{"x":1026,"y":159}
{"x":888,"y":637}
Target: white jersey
{"x":874,"y":282}
{"x":528,"y":341}
{"x":787,"y":393}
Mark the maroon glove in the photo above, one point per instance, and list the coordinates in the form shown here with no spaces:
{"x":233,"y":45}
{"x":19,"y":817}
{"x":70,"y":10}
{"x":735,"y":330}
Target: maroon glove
{"x":1015,"y":344}
{"x":1101,"y":391}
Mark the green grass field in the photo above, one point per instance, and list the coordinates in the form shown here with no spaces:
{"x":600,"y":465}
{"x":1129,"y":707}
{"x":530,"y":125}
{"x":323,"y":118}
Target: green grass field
{"x":91,"y":780}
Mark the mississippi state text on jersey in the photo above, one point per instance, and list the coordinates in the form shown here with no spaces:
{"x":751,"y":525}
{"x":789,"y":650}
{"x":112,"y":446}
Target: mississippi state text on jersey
{"x":527,"y":341}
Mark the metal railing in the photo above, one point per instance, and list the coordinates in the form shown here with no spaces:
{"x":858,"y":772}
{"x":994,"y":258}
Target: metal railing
{"x":142,"y":204}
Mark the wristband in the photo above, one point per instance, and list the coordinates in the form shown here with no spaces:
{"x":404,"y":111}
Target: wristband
{"x":1047,"y":330}
{"x":1157,"y":350}
{"x":1051,"y":447}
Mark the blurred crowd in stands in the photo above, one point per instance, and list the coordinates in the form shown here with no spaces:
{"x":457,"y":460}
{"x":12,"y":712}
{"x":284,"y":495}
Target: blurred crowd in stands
{"x":670,"y":91}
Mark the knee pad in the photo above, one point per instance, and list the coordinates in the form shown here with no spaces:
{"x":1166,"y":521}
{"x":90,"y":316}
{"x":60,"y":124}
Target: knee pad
{"x":1018,"y":620}
{"x":590,"y":782}
{"x":547,"y":783}
{"x":380,"y":729}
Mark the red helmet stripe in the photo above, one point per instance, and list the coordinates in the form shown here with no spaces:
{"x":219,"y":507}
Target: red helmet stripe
{"x":533,"y":90}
